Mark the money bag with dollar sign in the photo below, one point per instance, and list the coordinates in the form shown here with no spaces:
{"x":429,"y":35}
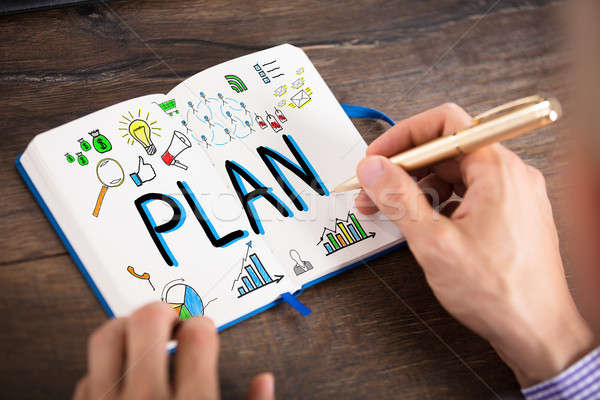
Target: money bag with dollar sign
{"x":100,"y":142}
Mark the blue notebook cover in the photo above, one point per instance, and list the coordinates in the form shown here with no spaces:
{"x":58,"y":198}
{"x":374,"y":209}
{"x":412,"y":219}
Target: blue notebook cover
{"x":351,"y":110}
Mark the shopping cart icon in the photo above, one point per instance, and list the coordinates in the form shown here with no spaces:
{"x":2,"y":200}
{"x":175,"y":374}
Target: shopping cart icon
{"x":169,"y":107}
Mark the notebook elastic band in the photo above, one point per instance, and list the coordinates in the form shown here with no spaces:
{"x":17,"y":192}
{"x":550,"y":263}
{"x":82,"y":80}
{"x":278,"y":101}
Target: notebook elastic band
{"x":295,"y":303}
{"x":353,"y":111}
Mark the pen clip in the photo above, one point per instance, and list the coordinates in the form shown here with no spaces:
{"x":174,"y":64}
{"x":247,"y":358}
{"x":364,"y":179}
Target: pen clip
{"x":507,"y":108}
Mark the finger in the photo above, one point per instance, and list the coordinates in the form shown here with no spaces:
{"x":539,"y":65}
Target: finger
{"x":81,"y":389}
{"x":196,"y":360}
{"x":262,"y":387}
{"x":106,"y":358}
{"x":148,"y":331}
{"x":364,"y":204}
{"x":435,"y":189}
{"x":445,"y":119}
{"x":398,"y":197}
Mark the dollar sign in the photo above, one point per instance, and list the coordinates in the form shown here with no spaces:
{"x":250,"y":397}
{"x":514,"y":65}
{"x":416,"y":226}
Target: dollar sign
{"x":103,"y":145}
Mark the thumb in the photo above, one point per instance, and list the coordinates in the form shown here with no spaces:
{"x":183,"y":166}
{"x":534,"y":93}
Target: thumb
{"x":140,"y":163}
{"x":398,"y":197}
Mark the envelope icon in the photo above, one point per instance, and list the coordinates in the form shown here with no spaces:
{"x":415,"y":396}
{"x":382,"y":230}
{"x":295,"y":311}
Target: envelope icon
{"x":280,"y":91}
{"x":298,"y":83}
{"x":300,"y":99}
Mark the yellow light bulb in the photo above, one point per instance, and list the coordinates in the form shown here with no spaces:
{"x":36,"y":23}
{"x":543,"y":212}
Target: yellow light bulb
{"x":140,"y":131}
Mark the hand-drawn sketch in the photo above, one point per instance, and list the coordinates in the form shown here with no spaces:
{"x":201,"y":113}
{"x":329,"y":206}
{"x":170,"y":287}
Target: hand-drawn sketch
{"x":301,"y":98}
{"x":183,"y":299}
{"x":70,"y":158}
{"x":273,"y":69}
{"x":253,"y":275}
{"x":300,"y":266}
{"x":203,"y":97}
{"x":267,"y":71}
{"x":205,"y":141}
{"x":280,"y":91}
{"x":100,"y":142}
{"x":85,"y":146}
{"x":276,"y":126}
{"x":145,"y":173}
{"x":298,"y":83}
{"x":191,"y":105}
{"x":261,"y":122}
{"x":236,"y":83}
{"x":280,"y":116}
{"x":218,"y":120}
{"x":144,"y":276}
{"x":243,"y":105}
{"x":110,"y":174}
{"x":345,"y":233}
{"x":81,"y":159}
{"x":300,"y":71}
{"x":169,"y":107}
{"x":247,"y":123}
{"x":228,"y":133}
{"x":179,"y":143}
{"x":140,"y":130}
{"x":187,"y":129}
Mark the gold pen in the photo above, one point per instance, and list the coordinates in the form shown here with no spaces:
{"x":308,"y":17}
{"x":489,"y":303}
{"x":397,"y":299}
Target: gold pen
{"x":500,"y":123}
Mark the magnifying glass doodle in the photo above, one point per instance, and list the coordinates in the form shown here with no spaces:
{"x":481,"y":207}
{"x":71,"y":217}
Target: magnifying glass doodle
{"x":110,"y":174}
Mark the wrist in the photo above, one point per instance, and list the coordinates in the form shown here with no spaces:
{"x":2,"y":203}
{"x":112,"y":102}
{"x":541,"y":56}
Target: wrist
{"x":542,"y":350}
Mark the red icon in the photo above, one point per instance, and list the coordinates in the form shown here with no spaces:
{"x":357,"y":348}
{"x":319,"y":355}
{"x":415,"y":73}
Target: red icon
{"x":273,"y":122}
{"x":280,"y":115}
{"x":260,"y":122}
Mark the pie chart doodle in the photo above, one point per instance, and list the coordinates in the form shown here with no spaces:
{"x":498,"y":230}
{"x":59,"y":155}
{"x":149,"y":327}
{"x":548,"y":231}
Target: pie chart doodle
{"x":184,"y":300}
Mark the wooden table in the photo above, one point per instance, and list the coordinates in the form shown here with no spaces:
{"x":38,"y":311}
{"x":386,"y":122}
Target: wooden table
{"x":377,"y":331}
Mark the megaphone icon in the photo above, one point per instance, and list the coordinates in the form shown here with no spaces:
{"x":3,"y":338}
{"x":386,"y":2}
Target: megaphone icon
{"x":179,"y":142}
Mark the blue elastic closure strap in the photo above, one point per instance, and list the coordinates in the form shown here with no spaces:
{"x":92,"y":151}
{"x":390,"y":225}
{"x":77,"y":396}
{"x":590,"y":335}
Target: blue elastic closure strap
{"x":353,"y":111}
{"x":295,"y":303}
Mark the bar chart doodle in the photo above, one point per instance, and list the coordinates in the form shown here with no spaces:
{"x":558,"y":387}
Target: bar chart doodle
{"x":345,"y":233}
{"x":253,"y":274}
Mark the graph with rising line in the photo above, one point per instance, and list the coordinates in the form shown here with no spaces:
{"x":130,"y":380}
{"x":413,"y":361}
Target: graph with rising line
{"x":253,"y":274}
{"x":345,"y":233}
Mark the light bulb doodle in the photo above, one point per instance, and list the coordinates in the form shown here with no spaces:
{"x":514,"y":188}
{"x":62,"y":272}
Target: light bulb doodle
{"x":110,"y":174}
{"x":179,"y":143}
{"x":145,"y":276}
{"x":140,"y":130}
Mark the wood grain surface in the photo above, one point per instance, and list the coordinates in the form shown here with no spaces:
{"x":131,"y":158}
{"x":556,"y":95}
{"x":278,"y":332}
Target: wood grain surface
{"x":376,"y":331}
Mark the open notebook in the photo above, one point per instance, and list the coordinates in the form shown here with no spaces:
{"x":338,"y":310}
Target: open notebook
{"x":216,"y":197}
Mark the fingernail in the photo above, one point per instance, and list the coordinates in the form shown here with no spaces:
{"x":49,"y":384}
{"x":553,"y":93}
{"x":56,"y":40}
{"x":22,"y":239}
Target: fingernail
{"x":369,"y":171}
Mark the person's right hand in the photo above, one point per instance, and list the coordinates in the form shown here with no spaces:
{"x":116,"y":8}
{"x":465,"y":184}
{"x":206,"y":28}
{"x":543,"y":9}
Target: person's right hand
{"x":494,"y":264}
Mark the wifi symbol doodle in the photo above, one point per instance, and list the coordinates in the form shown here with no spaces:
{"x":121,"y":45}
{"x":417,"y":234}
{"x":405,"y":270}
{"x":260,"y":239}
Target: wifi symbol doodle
{"x":236,"y":83}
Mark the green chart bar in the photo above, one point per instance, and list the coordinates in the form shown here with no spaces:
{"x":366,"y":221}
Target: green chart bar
{"x":358,"y":226}
{"x":333,"y":241}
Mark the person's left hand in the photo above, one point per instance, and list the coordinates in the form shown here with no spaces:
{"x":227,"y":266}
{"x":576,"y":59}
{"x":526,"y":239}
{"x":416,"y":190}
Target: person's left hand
{"x":127,"y":359}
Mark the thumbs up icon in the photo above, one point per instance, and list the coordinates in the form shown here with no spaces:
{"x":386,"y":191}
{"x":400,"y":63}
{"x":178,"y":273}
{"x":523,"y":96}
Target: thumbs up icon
{"x":145,"y":173}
